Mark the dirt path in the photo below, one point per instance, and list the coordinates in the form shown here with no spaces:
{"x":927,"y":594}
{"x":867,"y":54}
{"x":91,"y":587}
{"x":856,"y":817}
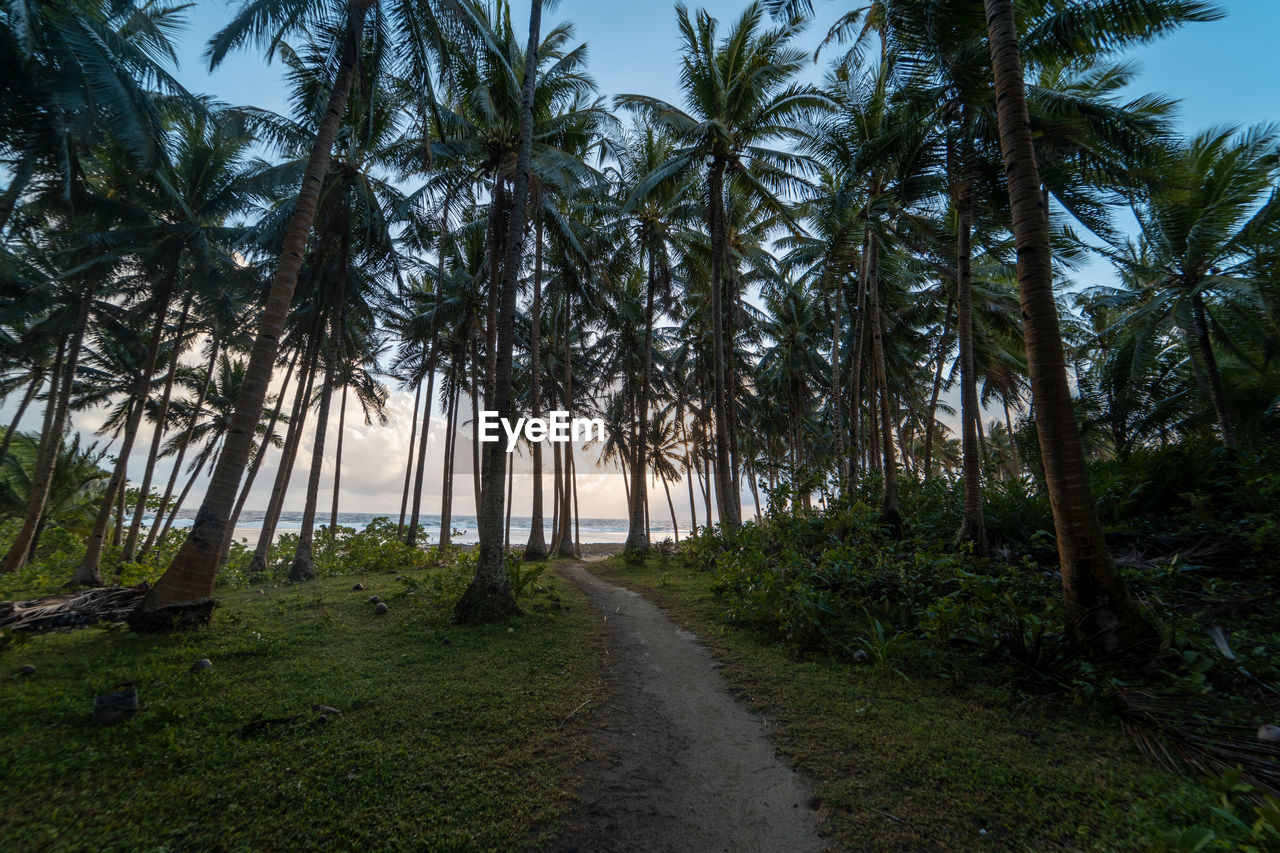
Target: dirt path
{"x":685,"y":767}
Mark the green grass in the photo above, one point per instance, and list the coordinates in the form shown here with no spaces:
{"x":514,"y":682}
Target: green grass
{"x":450,"y":738}
{"x":931,"y":763}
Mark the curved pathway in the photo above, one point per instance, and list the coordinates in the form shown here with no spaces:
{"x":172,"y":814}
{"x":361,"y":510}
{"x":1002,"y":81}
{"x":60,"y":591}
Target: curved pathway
{"x":685,"y":767}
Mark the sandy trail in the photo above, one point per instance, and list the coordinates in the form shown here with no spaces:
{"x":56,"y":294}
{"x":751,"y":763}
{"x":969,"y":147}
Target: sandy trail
{"x":685,"y":767}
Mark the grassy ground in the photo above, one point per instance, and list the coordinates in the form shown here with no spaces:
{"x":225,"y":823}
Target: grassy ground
{"x":449,"y":738}
{"x":932,"y":764}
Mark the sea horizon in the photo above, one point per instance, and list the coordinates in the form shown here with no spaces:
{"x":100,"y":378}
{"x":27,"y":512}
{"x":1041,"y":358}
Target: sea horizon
{"x":464,"y":528}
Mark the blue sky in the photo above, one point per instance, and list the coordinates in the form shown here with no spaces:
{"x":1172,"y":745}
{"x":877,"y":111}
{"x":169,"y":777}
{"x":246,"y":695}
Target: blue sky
{"x":1224,"y":72}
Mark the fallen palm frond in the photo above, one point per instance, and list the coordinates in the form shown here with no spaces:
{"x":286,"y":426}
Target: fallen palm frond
{"x":1183,"y":736}
{"x":69,"y":610}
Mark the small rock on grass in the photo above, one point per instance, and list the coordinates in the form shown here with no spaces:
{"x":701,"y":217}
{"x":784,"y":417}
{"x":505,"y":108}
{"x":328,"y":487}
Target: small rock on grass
{"x":1270,"y":734}
{"x":203,"y":663}
{"x":26,"y":669}
{"x":373,"y":599}
{"x":357,"y":587}
{"x":327,"y":710}
{"x":380,"y":609}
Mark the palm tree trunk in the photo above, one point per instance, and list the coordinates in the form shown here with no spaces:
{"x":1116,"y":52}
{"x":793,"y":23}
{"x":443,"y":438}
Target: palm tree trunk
{"x":182,"y":497}
{"x":55,"y":421}
{"x":859,"y":345}
{"x":189,"y":578}
{"x":261,"y":453}
{"x":557,"y":498}
{"x":433,"y":352}
{"x":288,"y":455}
{"x":1015,"y":464}
{"x":488,"y":598}
{"x":131,"y":543}
{"x":89,"y":572}
{"x":424,"y":433}
{"x":688,"y":473}
{"x":408,"y":465}
{"x":972,"y":528}
{"x":889,"y":507}
{"x":450,"y":454}
{"x":637,"y":534}
{"x":1100,"y":613}
{"x":32,"y":387}
{"x":337,"y":465}
{"x":153,"y":533}
{"x":511,"y":476}
{"x":577,"y":514}
{"x":477,"y":489}
{"x":536,"y":547}
{"x":563,"y":545}
{"x":675,"y":525}
{"x":1200,"y":324}
{"x":304,"y":568}
{"x":724,"y":477}
{"x":930,"y":426}
{"x":837,"y":404}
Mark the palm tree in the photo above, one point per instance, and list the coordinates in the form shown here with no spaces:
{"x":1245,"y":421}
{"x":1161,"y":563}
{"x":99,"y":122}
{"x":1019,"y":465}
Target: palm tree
{"x":1191,"y":258}
{"x":76,"y":73}
{"x":488,"y":597}
{"x":741,"y":97}
{"x":658,"y":212}
{"x":1100,"y":611}
{"x":189,"y":579}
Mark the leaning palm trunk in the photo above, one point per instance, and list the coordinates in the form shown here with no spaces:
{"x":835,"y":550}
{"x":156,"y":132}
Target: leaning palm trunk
{"x":408,"y":465}
{"x":304,"y":568}
{"x":261,"y":452}
{"x":1100,"y":613}
{"x":289,"y":454}
{"x":89,"y":573}
{"x":55,"y":422}
{"x":140,"y":508}
{"x":154,"y":533}
{"x":424,"y":432}
{"x":32,"y":387}
{"x":972,"y":528}
{"x":337,"y":466}
{"x":488,"y":598}
{"x":189,"y":578}
{"x":433,"y":350}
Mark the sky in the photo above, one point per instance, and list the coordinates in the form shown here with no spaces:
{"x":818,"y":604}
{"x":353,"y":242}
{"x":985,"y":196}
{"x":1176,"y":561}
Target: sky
{"x":1226,"y":72}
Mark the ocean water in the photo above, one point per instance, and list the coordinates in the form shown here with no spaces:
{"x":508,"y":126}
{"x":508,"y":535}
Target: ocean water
{"x":593,"y":530}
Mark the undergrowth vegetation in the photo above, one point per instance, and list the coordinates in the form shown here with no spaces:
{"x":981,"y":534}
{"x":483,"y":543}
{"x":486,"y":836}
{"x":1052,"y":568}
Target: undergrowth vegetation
{"x":338,"y":553}
{"x":1194,"y":531}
